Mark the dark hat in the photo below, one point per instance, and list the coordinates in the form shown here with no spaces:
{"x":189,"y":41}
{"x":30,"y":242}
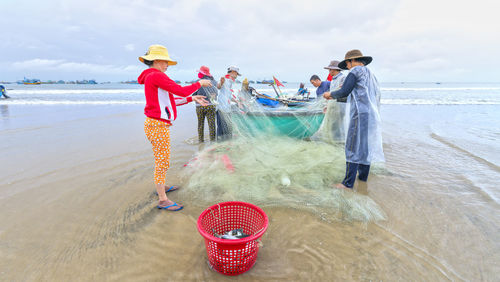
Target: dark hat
{"x":334,"y":65}
{"x":354,"y":54}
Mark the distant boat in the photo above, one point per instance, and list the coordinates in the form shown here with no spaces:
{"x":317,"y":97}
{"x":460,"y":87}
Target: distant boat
{"x":92,"y":81}
{"x":130,"y":82}
{"x":27,"y":81}
{"x":251,"y":81}
{"x":438,"y":82}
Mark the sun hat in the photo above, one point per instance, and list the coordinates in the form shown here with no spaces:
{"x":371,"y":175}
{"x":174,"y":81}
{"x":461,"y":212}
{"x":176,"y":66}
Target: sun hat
{"x":354,"y":54}
{"x":334,"y":65}
{"x":157,"y":52}
{"x":204,"y":70}
{"x":232,"y":68}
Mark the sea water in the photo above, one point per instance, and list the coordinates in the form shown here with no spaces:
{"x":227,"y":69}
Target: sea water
{"x":77,"y":170}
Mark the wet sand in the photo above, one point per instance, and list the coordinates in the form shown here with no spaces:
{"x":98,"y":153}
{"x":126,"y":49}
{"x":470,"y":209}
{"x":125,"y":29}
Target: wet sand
{"x":77,"y":204}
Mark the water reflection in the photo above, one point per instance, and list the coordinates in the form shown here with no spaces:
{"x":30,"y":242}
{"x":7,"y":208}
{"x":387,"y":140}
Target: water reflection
{"x":4,"y":111}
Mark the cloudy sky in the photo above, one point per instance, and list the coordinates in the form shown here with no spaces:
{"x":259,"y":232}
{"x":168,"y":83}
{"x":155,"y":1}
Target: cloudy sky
{"x":426,"y":40}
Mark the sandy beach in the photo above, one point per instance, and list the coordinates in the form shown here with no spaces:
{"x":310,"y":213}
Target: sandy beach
{"x":77,"y":203}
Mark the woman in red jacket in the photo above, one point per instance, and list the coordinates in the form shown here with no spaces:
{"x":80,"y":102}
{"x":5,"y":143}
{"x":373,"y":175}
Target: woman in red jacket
{"x":162,"y":97}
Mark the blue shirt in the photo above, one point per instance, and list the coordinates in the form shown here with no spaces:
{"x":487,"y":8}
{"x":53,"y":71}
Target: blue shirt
{"x":322,"y":88}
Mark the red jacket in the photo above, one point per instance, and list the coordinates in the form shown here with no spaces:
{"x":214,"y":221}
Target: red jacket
{"x":160,"y":90}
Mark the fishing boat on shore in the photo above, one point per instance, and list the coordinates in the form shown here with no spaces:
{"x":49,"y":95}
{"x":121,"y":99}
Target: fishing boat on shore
{"x":295,"y":123}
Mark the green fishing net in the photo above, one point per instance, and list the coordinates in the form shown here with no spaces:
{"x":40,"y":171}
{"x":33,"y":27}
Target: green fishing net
{"x":266,"y":167}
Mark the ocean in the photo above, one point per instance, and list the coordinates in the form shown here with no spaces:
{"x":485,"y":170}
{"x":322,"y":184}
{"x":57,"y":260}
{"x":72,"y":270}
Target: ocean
{"x":77,"y":202}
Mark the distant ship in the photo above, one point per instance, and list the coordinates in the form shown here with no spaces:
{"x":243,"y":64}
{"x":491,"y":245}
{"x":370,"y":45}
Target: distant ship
{"x":92,"y":81}
{"x":27,"y":81}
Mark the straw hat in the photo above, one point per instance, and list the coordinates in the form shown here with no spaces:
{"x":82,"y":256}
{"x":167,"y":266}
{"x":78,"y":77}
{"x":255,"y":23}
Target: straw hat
{"x":204,"y":70}
{"x":157,"y":52}
{"x":334,"y":65}
{"x":354,"y":54}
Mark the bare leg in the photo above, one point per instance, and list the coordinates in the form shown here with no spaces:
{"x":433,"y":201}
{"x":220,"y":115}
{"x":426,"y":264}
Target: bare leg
{"x":162,"y":197}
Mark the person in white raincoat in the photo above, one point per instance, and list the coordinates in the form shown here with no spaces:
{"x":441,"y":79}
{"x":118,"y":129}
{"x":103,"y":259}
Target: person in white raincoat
{"x":224,"y":99}
{"x":335,"y":112}
{"x":364,"y":137}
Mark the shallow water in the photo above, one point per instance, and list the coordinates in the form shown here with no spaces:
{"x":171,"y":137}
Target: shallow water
{"x":77,"y":202}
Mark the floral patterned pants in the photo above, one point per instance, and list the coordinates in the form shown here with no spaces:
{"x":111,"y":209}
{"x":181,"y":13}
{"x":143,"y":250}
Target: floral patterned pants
{"x":158,"y":133}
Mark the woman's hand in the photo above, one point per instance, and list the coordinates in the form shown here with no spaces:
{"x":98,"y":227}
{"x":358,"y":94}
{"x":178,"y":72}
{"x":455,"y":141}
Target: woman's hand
{"x":205,"y":82}
{"x":221,"y":82}
{"x":200,"y":99}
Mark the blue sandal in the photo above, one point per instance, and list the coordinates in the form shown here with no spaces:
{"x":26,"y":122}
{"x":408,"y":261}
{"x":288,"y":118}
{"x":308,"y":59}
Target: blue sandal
{"x":171,"y":189}
{"x":173,"y":205}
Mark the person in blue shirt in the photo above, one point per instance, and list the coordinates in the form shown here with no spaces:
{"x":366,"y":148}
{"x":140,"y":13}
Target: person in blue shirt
{"x":303,"y":91}
{"x":3,"y":92}
{"x":322,"y":86}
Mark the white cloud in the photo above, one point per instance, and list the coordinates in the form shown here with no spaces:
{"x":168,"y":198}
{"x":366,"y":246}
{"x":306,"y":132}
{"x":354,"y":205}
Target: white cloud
{"x":417,"y":40}
{"x":78,"y":67}
{"x":130,"y":47}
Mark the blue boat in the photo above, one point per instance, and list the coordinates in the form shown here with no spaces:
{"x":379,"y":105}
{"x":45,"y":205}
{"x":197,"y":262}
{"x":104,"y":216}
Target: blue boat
{"x":28,"y":81}
{"x":270,"y":102}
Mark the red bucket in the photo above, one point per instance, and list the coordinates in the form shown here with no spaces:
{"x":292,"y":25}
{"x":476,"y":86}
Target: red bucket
{"x":232,"y":257}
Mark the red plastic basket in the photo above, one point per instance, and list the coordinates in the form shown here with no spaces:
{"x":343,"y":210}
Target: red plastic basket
{"x":232,"y":257}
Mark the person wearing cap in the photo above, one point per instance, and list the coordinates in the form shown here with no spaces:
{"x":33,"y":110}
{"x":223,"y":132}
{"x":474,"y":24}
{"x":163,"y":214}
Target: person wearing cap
{"x":322,"y":86}
{"x":364,"y":138}
{"x":337,"y":76}
{"x":335,"y":110}
{"x":226,"y":96}
{"x":163,"y":96}
{"x":208,"y":111}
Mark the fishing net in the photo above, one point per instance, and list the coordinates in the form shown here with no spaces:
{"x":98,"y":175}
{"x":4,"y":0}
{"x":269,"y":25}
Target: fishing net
{"x":269,"y":163}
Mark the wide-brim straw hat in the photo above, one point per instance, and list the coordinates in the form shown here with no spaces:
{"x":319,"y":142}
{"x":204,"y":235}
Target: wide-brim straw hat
{"x":334,"y":65}
{"x":354,"y":54}
{"x":157,"y":52}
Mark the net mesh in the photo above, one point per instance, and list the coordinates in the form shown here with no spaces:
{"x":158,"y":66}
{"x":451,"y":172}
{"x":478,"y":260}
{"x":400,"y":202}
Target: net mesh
{"x":263,"y":165}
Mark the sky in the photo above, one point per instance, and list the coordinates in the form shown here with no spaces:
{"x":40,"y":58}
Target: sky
{"x":411,"y":41}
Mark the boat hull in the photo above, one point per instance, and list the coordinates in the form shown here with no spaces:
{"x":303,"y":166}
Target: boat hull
{"x":290,"y":123}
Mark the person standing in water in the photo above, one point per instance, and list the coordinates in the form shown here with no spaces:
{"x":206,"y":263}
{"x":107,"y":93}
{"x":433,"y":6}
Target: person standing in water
{"x":163,"y":95}
{"x":208,"y":111}
{"x":3,"y":92}
{"x":335,"y":111}
{"x":364,"y":138}
{"x":226,"y":96}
